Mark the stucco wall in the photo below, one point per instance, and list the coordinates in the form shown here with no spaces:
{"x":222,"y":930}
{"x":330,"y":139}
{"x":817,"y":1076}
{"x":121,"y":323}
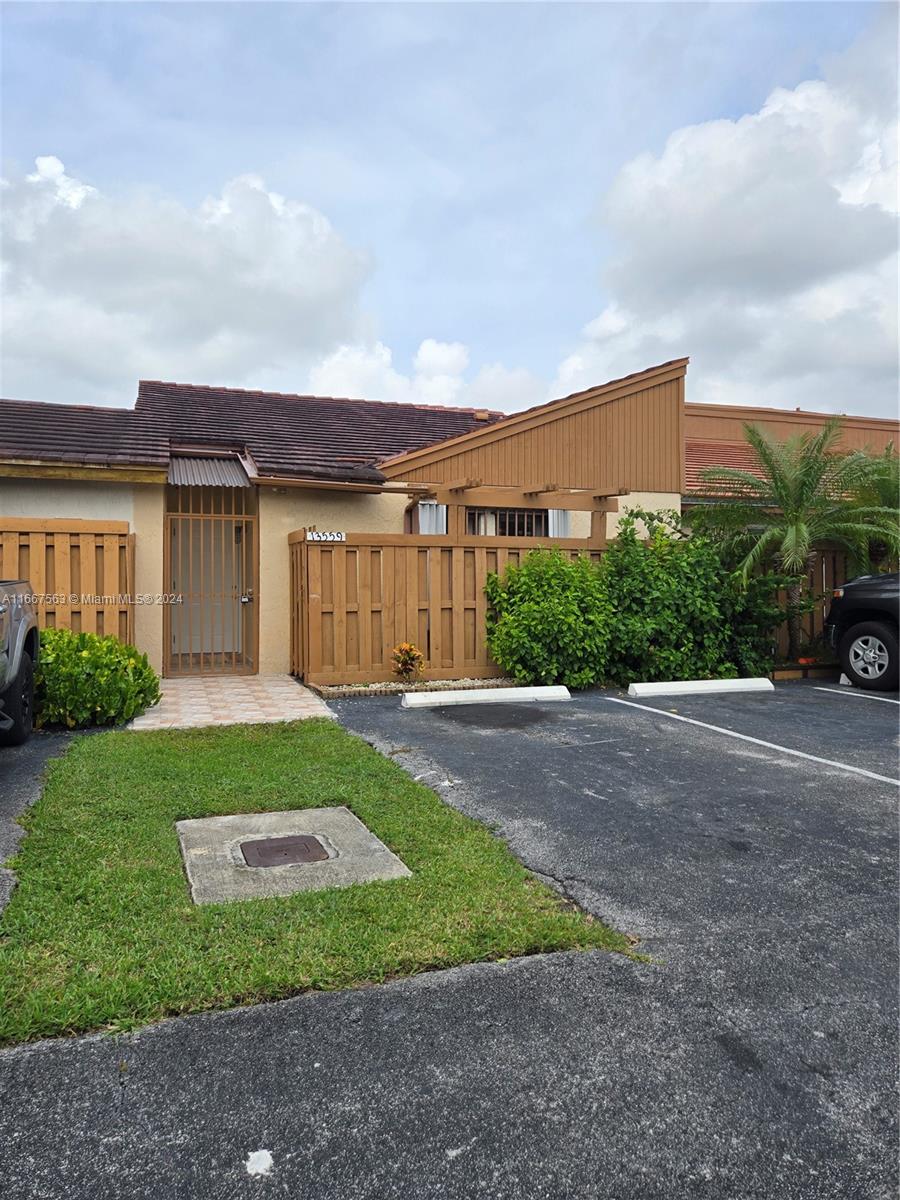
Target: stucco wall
{"x":64,"y":498}
{"x":281,"y":512}
{"x":579,"y":524}
{"x":148,"y":524}
{"x":141,"y":505}
{"x":649,"y":501}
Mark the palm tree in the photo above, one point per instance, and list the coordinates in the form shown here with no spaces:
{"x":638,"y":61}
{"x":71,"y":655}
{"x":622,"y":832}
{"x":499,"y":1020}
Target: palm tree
{"x":882,"y":489}
{"x":800,"y":494}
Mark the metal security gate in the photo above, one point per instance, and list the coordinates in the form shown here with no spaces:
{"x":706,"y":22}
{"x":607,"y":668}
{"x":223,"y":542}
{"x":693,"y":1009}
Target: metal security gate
{"x":211,"y":571}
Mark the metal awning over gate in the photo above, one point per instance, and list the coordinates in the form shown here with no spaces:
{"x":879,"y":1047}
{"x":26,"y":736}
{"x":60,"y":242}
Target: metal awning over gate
{"x":190,"y":470}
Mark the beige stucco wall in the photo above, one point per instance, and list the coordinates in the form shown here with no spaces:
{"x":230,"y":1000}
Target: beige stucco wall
{"x":141,"y":505}
{"x":148,"y":525}
{"x":280,"y":512}
{"x":56,"y":499}
{"x":579,"y":524}
{"x":649,"y":501}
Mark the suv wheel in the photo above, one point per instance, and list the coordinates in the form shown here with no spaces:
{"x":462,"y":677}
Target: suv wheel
{"x":18,"y":705}
{"x":869,"y":656}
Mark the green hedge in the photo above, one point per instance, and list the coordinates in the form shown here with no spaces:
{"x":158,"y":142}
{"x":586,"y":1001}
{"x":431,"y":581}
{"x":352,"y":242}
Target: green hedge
{"x":82,"y":679}
{"x":660,"y":605}
{"x":680,"y":611}
{"x":549,"y":620}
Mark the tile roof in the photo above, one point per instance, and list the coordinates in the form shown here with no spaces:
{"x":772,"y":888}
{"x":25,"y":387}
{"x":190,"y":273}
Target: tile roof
{"x":700,"y":455}
{"x":74,"y":433}
{"x":305,"y":436}
{"x":300,"y":436}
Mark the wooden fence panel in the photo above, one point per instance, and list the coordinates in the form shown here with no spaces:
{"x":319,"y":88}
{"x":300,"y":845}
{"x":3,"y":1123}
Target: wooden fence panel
{"x":353,"y":601}
{"x":829,"y":570}
{"x":82,"y":572}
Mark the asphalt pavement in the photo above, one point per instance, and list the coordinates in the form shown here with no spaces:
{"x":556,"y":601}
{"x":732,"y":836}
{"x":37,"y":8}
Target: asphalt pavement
{"x":753,"y":1054}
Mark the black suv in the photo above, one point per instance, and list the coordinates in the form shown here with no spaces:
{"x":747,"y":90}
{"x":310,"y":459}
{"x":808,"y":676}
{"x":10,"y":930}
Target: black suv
{"x":862,"y":627}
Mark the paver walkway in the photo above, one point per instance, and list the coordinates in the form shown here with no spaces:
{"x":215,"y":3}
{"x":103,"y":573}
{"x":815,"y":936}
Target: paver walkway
{"x":230,"y":700}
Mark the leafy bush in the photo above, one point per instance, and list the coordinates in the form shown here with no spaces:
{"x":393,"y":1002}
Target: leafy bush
{"x":82,"y":679}
{"x":668,"y":607}
{"x":751,"y":614}
{"x":680,"y":611}
{"x":549,"y":620}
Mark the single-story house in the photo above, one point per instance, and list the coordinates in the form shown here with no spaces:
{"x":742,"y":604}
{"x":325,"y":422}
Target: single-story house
{"x":235,"y":531}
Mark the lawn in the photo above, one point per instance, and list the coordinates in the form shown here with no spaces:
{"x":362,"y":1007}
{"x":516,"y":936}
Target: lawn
{"x":101,"y":932}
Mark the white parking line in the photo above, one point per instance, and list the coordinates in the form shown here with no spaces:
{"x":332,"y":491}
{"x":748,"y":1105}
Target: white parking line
{"x":856,"y":692}
{"x":828,"y":762}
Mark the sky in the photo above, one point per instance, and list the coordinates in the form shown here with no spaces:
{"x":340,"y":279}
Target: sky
{"x":459,"y":203}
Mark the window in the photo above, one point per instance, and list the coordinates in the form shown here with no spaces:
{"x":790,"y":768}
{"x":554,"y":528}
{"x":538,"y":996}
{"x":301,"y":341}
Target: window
{"x":432,"y":518}
{"x":509,"y":522}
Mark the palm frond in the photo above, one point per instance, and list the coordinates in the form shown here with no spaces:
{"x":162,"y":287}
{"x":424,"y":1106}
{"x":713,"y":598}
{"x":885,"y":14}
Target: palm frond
{"x":806,"y":493}
{"x":732,"y":481}
{"x":795,"y":547}
{"x":763,"y":544}
{"x":775,"y":460}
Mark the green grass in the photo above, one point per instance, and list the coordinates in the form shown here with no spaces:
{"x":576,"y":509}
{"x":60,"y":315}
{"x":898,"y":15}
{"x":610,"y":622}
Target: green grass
{"x":101,"y":932}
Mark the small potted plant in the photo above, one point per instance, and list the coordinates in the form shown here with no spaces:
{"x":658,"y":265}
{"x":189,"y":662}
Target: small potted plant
{"x":408,"y":661}
{"x":810,"y":653}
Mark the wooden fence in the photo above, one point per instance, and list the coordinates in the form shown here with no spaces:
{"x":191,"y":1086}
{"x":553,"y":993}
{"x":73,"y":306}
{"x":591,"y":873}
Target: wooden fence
{"x":828,"y":571}
{"x":82,"y":572}
{"x":352,"y":602}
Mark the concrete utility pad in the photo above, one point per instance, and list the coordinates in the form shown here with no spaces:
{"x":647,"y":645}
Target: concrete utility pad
{"x":218,"y":871}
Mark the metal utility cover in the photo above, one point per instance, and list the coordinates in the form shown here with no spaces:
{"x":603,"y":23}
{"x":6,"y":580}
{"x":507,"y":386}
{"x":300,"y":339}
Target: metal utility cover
{"x":283,"y":851}
{"x":218,"y":865}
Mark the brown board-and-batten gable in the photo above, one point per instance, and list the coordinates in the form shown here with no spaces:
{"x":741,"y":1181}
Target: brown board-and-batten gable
{"x":625,"y":435}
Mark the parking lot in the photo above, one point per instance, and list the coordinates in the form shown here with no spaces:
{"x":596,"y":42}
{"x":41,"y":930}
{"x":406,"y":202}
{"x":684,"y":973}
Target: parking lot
{"x":749,"y":843}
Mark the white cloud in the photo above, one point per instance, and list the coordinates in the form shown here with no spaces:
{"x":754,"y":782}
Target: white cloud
{"x":506,"y":389}
{"x":362,"y":372}
{"x":766,"y":249}
{"x":438,"y":378}
{"x":248,"y":287}
{"x":441,"y":358}
{"x":99,"y":291}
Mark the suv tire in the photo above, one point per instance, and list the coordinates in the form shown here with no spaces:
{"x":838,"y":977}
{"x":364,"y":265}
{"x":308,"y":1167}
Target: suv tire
{"x":869,"y":656}
{"x":18,"y":705}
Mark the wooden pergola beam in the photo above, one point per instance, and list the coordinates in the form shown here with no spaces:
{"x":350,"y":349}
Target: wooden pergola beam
{"x":500,"y":496}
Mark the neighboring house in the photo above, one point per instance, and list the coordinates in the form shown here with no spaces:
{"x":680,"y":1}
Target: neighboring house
{"x":193,"y":494}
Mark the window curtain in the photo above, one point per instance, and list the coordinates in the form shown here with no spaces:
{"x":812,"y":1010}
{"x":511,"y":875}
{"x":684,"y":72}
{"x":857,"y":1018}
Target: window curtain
{"x":558,"y":522}
{"x":482,"y":522}
{"x":432,"y":517}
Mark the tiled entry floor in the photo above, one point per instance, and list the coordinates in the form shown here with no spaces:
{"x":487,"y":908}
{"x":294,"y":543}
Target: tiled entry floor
{"x":230,"y":700}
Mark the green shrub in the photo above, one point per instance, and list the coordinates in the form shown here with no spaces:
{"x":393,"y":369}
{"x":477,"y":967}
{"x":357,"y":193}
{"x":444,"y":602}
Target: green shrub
{"x":680,"y":613}
{"x":752,"y":615}
{"x":549,"y":620}
{"x":660,"y":605}
{"x":82,"y":679}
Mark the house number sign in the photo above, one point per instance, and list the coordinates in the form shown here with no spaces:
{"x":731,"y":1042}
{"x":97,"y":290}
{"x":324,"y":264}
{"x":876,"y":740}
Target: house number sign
{"x":313,"y":535}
